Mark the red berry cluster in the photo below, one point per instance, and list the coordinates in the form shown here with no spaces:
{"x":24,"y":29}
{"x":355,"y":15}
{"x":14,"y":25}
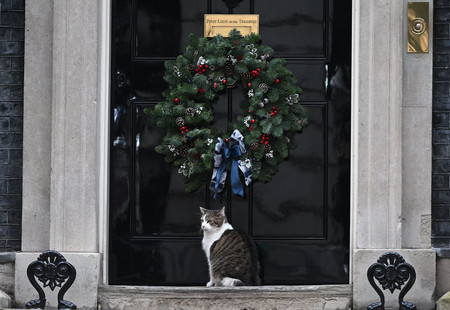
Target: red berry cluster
{"x":265,"y":139}
{"x":184,"y":130}
{"x":201,"y":69}
{"x":201,"y":90}
{"x":274,"y":111}
{"x":251,"y":127}
{"x":255,"y":73}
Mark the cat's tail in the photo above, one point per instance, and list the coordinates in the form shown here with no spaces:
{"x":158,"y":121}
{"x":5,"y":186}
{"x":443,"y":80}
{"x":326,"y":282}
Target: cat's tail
{"x":231,"y":282}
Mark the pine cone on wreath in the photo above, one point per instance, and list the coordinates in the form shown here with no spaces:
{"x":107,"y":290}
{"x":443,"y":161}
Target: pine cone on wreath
{"x":190,"y":111}
{"x":180,"y":121}
{"x":183,"y":150}
{"x":228,"y":68}
{"x":254,"y":146}
{"x":247,"y":76}
{"x":191,"y":69}
{"x":267,"y":148}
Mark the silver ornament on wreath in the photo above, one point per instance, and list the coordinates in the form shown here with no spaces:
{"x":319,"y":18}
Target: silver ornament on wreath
{"x":264,"y":102}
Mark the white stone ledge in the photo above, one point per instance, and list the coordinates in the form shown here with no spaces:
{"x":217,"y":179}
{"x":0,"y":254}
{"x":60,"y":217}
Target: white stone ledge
{"x":7,"y":257}
{"x":328,"y":297}
{"x":442,"y":252}
{"x":237,"y":291}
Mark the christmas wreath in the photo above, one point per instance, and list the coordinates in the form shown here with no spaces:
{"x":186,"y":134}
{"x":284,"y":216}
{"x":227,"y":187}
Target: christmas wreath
{"x":257,"y":142}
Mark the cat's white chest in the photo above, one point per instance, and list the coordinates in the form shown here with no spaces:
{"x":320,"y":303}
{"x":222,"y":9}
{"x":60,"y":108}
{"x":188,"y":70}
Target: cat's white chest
{"x":209,"y":237}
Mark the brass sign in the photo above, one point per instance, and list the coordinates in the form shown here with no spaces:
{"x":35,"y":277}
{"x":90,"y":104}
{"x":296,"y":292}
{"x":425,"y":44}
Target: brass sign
{"x":223,"y":23}
{"x":418,"y":21}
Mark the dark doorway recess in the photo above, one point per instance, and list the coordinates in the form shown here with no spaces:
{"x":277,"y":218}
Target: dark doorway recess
{"x":300,"y":221}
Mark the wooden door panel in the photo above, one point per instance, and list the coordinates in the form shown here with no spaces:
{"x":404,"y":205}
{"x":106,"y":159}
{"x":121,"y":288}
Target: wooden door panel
{"x":294,"y":203}
{"x":294,"y":28}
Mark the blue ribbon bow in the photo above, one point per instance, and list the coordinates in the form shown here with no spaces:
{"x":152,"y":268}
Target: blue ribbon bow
{"x":222,"y":153}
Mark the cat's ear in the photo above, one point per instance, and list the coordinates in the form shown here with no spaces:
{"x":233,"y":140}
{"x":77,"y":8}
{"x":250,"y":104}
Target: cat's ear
{"x":222,"y":212}
{"x":203,"y":210}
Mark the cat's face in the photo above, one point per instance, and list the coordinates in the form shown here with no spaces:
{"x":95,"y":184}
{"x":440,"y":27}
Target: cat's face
{"x":212,"y":220}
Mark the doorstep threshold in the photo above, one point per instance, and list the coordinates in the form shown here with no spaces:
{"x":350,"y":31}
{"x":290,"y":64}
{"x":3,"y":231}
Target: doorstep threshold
{"x":316,"y":290}
{"x":305,"y":297}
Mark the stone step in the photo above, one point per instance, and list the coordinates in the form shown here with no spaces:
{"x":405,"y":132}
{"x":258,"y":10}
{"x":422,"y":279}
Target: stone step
{"x":321,"y":297}
{"x":444,"y":302}
{"x":5,"y":300}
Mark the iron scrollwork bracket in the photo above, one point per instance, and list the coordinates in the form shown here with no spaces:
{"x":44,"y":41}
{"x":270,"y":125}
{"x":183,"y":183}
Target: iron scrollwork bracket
{"x":52,"y":269}
{"x":391,"y":271}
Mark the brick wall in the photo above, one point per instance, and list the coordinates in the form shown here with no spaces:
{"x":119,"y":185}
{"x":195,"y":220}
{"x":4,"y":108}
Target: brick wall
{"x":12,"y":19}
{"x":441,"y":126}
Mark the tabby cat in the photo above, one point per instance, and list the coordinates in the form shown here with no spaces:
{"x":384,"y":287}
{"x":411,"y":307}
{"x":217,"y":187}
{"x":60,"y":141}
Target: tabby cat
{"x":231,"y":255}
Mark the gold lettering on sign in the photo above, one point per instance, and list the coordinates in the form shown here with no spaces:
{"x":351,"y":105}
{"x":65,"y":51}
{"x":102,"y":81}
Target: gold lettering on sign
{"x":223,"y":23}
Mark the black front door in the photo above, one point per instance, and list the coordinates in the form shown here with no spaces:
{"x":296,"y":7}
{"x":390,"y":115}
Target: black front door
{"x":300,"y":220}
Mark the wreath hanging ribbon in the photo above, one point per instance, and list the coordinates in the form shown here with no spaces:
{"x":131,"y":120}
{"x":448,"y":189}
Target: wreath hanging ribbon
{"x":223,"y":152}
{"x":258,"y":141}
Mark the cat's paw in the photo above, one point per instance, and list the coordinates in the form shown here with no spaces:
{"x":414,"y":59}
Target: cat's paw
{"x":209,"y":284}
{"x":231,"y":282}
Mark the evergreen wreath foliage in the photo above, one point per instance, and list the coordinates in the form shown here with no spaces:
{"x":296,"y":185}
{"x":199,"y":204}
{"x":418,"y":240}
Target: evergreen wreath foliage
{"x":272,"y":114}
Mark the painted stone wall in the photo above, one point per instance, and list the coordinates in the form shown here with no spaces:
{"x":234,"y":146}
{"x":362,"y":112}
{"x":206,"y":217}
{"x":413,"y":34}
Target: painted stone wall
{"x":441,"y":126}
{"x":12,"y":19}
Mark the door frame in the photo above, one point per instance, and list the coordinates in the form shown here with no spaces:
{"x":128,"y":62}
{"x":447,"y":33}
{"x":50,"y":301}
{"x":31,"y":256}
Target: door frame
{"x":364,"y":195}
{"x":104,"y":133}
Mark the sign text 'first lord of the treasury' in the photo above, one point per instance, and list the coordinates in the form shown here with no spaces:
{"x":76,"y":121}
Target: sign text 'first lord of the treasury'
{"x":223,"y":23}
